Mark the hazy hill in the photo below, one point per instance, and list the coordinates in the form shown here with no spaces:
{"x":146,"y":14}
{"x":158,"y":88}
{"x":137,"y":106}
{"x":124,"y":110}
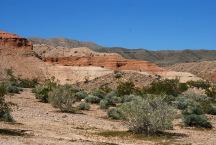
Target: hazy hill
{"x":163,"y":57}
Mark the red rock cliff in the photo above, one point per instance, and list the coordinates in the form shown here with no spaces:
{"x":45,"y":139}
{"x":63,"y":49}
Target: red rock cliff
{"x":112,"y":62}
{"x":8,"y":40}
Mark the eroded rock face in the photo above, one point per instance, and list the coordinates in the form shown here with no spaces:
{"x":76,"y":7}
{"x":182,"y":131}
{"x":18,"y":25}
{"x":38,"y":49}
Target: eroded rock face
{"x":8,"y":40}
{"x":111,"y":62}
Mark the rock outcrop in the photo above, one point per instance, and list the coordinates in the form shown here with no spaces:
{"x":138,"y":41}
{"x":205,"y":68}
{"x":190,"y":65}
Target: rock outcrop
{"x":84,"y":56}
{"x":8,"y":40}
{"x":107,"y":61}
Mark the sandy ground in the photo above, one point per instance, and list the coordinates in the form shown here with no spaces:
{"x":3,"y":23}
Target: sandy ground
{"x":41,"y":124}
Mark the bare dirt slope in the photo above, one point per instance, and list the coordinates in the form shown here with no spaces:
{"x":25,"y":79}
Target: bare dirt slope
{"x":205,"y":69}
{"x":38,"y":123}
{"x":22,"y":63}
{"x":110,"y":80}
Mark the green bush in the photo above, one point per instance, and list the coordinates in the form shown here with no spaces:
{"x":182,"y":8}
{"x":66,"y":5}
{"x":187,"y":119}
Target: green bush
{"x":84,"y":106}
{"x":199,"y":84}
{"x":197,"y":121}
{"x":104,"y":104}
{"x":114,"y":113}
{"x":92,"y":99}
{"x":64,"y":98}
{"x":209,"y":108}
{"x":13,"y":89}
{"x":41,"y":91}
{"x":206,"y":104}
{"x":148,"y":115}
{"x":193,"y":116}
{"x":110,"y":100}
{"x":169,"y":87}
{"x":118,"y":74}
{"x":25,"y":83}
{"x":4,"y":107}
{"x":128,"y":98}
{"x":211,"y":92}
{"x":101,"y":92}
{"x":81,"y":95}
{"x":183,"y":102}
{"x":125,"y":88}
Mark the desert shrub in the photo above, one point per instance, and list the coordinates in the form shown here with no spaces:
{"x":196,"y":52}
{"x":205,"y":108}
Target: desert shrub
{"x":81,"y":95}
{"x":26,"y":83}
{"x":10,"y":75}
{"x":208,"y":107}
{"x":104,"y":104}
{"x":4,"y":107}
{"x":12,"y":87}
{"x":125,"y":88}
{"x":92,"y":99}
{"x":212,"y":109}
{"x":169,"y":87}
{"x":101,"y":92}
{"x":193,"y":116}
{"x":114,"y":113}
{"x":64,"y":98}
{"x":148,"y":115}
{"x":204,"y":102}
{"x":182,"y":102}
{"x":197,"y":121}
{"x":128,"y":98}
{"x":114,"y":100}
{"x":211,"y":92}
{"x":199,"y":84}
{"x":84,"y":106}
{"x":118,"y":74}
{"x":110,"y":100}
{"x":41,"y":91}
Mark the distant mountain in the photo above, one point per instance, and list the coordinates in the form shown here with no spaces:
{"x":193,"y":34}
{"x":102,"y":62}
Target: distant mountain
{"x":162,"y":58}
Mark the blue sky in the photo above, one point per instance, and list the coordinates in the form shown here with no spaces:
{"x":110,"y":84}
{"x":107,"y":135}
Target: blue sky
{"x":149,"y":24}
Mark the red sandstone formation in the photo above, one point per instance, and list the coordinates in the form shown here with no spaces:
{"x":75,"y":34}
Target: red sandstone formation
{"x":108,"y":61}
{"x":8,"y":40}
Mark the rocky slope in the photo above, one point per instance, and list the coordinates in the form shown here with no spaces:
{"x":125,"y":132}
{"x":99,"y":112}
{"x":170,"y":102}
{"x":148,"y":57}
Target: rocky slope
{"x":205,"y":69}
{"x":162,"y":58}
{"x":16,"y":54}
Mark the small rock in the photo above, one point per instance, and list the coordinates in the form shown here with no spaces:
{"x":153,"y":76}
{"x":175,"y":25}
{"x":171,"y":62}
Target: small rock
{"x":64,"y":116}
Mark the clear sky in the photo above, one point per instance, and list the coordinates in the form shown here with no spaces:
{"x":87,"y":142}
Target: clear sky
{"x":149,"y":24}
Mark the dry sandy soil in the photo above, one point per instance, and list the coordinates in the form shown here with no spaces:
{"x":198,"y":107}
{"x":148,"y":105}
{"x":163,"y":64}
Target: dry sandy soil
{"x":38,"y":124}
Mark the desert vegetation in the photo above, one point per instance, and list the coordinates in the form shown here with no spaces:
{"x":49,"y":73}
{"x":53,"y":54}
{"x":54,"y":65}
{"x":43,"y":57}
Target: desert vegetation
{"x":4,"y":106}
{"x":148,"y":110}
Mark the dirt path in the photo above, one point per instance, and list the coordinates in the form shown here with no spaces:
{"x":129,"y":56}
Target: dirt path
{"x":39,"y":124}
